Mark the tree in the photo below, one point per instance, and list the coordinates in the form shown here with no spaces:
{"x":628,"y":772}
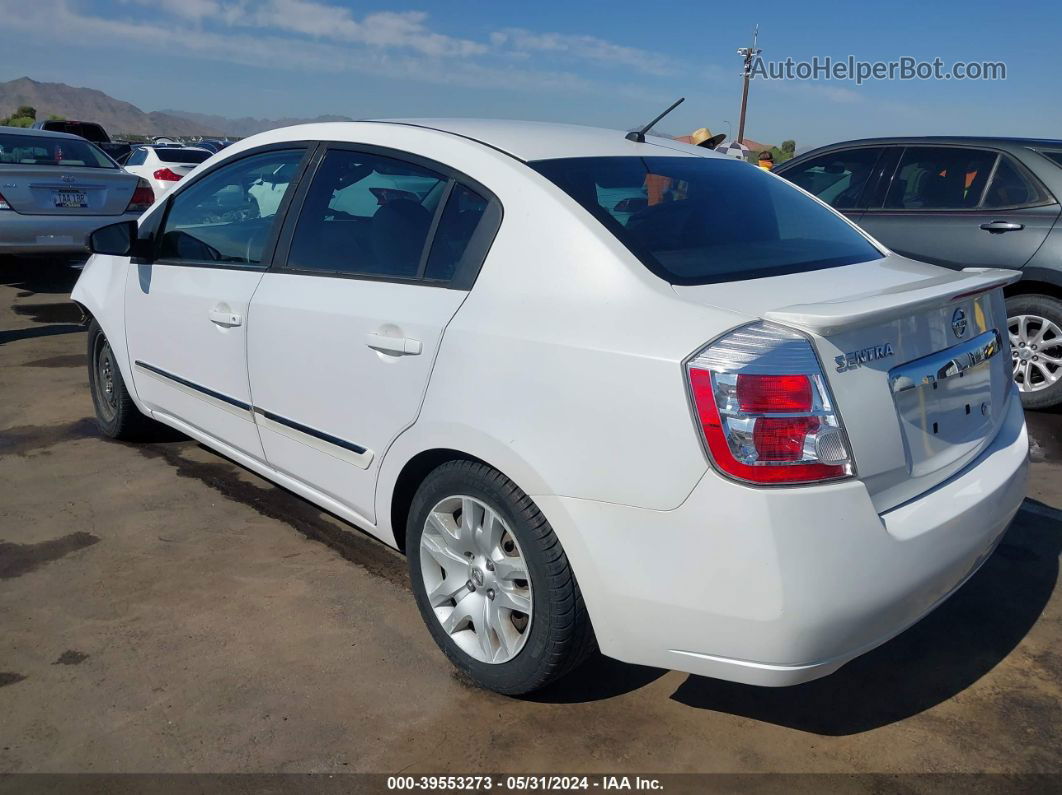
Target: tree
{"x":20,"y":121}
{"x":56,"y":117}
{"x":25,"y":111}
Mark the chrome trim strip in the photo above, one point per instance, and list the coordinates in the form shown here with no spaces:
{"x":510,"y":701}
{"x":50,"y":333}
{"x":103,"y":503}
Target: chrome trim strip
{"x":949,"y":363}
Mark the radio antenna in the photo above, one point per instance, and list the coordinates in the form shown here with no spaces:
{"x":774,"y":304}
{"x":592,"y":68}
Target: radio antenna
{"x":638,"y":136}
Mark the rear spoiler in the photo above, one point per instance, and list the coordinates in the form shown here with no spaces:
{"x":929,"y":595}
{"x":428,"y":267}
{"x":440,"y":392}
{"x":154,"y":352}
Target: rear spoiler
{"x":827,"y":317}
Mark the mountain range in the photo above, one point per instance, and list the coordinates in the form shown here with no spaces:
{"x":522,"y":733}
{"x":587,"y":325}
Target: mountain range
{"x":123,"y":118}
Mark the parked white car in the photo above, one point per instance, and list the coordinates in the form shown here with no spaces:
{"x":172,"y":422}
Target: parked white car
{"x":724,"y":432}
{"x":164,"y":166}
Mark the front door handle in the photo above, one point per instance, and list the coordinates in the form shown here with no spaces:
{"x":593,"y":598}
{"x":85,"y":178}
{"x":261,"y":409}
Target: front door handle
{"x":224,"y":316}
{"x":1002,"y":226}
{"x":400,"y":346}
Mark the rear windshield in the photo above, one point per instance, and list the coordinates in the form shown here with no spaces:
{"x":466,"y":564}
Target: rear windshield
{"x":167,"y":155}
{"x":1056,"y":156}
{"x":41,"y":150}
{"x":699,"y":220}
{"x":92,"y":132}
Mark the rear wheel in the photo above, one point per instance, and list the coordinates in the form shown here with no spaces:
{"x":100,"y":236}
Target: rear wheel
{"x":492,"y":581}
{"x":116,"y":414}
{"x":1034,"y":323}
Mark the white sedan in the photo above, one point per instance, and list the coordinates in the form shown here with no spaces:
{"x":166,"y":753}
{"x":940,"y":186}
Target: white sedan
{"x":164,"y":166}
{"x":600,"y":391}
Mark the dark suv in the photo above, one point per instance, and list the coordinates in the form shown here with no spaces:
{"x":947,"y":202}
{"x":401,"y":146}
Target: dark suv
{"x":963,"y":202}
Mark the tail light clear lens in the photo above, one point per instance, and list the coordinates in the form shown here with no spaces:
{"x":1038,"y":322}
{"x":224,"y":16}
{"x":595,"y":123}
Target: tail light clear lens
{"x":3,"y":203}
{"x":143,"y":197}
{"x":765,"y":409}
{"x":167,"y":175}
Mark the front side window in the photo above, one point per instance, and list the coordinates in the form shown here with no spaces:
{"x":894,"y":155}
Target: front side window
{"x":940,"y":178}
{"x":41,"y":150}
{"x":700,"y":220}
{"x":366,"y":214}
{"x":838,"y":178}
{"x":227,"y":216}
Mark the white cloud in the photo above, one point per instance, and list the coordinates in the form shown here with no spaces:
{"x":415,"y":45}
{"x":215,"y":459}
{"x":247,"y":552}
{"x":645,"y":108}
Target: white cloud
{"x":400,"y":29}
{"x":590,"y":48}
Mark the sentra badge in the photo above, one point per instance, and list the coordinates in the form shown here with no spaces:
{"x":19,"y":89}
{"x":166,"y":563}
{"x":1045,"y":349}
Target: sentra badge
{"x":855,"y":359}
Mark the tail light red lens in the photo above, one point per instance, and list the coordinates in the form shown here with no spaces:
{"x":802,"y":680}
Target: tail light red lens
{"x":143,"y":197}
{"x":166,"y":175}
{"x":762,"y":426}
{"x":766,"y":393}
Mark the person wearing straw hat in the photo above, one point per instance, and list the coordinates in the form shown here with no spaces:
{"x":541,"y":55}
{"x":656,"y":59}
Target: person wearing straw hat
{"x":703,"y":137}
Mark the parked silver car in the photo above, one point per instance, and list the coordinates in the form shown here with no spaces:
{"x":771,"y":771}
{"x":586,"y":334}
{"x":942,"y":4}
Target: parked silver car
{"x":56,"y":188}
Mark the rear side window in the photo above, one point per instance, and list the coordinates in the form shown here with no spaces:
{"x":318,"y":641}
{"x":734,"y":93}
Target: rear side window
{"x":137,"y":158}
{"x":838,"y":178}
{"x":189,"y":156}
{"x":1010,"y":188}
{"x":461,"y":217}
{"x":699,"y":220}
{"x":940,"y":178}
{"x":366,"y":214}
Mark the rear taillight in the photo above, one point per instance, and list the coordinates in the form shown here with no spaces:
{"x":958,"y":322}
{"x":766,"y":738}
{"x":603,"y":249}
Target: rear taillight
{"x":166,"y":175}
{"x":3,"y":203}
{"x":764,"y":408}
{"x":143,"y":197}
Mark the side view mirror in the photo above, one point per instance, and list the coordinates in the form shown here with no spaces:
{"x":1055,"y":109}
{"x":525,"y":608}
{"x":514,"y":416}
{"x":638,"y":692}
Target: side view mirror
{"x":118,"y":240}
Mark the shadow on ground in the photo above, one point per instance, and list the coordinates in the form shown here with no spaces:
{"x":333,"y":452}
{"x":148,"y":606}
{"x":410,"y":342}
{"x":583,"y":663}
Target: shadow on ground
{"x":937,"y":658}
{"x":33,"y":275}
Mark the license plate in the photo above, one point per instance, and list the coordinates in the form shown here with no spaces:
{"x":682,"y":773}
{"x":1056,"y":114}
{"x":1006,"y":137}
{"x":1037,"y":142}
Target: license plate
{"x":70,"y":198}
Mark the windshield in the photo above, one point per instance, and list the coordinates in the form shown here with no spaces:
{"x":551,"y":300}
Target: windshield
{"x":41,"y":150}
{"x":699,"y":220}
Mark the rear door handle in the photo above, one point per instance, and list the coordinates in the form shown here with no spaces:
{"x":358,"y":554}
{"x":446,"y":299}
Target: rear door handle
{"x":400,"y":346}
{"x":225,"y":317}
{"x":1002,"y":226}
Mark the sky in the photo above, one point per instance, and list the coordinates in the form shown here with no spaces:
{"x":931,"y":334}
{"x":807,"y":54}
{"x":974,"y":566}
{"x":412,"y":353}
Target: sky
{"x":615,"y":63}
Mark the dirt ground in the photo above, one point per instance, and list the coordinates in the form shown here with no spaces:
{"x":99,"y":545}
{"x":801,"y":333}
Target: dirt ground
{"x":163,"y":610}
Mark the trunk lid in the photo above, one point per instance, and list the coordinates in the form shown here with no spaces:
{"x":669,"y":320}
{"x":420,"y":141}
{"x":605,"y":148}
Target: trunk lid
{"x":59,"y":190}
{"x":917,"y":358}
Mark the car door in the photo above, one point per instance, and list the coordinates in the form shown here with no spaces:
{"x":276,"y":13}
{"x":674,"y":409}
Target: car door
{"x":961,"y":206}
{"x":186,"y":311}
{"x":345,"y":326}
{"x":838,"y":177}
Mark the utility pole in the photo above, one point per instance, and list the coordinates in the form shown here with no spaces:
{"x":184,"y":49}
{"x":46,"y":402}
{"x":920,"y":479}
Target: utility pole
{"x":749,"y":54}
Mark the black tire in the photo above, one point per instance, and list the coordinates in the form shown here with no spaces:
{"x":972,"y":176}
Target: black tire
{"x":559,"y":636}
{"x":116,"y":414}
{"x":1050,"y":309}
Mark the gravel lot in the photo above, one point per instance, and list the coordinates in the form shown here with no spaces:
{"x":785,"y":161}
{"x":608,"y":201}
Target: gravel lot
{"x":164,"y":610}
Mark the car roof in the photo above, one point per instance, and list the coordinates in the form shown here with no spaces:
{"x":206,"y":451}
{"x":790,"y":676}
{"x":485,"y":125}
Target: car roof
{"x":999,"y":141}
{"x":40,"y":133}
{"x":523,"y":140}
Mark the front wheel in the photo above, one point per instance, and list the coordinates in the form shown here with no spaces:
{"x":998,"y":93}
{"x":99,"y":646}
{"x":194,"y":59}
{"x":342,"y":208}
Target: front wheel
{"x":116,"y":414}
{"x":492,"y":581}
{"x":1034,"y":323}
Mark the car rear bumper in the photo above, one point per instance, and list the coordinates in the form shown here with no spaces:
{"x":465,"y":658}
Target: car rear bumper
{"x":46,"y":234}
{"x":780,"y":586}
